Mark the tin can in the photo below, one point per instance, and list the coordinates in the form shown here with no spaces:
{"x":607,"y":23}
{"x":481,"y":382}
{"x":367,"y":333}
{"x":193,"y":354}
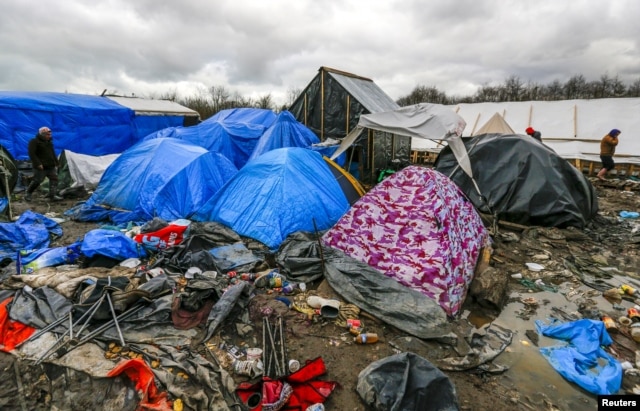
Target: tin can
{"x":294,"y":365}
{"x":634,"y":314}
{"x":353,"y":323}
{"x":627,"y":289}
{"x":356,"y":330}
{"x":232,"y":274}
{"x":248,"y":276}
{"x":275,"y":282}
{"x":287,"y":288}
{"x":609,"y":324}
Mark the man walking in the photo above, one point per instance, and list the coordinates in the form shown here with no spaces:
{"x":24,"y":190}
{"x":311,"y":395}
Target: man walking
{"x":44,"y":163}
{"x":607,"y":150}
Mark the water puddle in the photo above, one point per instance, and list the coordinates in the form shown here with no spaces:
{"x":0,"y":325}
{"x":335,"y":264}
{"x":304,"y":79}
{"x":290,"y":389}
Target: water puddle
{"x":537,"y":383}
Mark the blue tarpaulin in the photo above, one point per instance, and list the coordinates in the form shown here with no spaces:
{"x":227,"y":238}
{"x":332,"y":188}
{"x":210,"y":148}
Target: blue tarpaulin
{"x":81,"y":123}
{"x":31,"y":231}
{"x":583,"y":360}
{"x":165,"y":178}
{"x":285,"y":131}
{"x":112,"y":244}
{"x":283,"y":191}
{"x":233,"y":133}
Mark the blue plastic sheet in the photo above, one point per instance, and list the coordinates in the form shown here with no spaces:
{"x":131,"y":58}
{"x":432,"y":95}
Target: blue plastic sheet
{"x":582,"y":360}
{"x":31,"y":231}
{"x":48,"y":257}
{"x":112,"y":244}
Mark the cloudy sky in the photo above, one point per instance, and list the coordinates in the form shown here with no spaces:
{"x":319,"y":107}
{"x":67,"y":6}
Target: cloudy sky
{"x":259,"y":47}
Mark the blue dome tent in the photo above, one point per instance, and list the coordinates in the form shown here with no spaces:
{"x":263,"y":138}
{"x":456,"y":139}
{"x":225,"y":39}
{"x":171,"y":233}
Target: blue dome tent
{"x":162,"y":177}
{"x":281,"y":192}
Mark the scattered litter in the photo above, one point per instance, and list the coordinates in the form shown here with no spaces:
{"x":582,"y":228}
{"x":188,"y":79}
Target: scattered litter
{"x":534,"y":267}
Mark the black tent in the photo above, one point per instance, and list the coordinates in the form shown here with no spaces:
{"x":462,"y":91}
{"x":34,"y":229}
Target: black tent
{"x":331,"y":106}
{"x":522,"y":181}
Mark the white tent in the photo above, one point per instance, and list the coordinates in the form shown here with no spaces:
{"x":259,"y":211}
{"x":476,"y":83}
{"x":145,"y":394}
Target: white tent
{"x":573,"y":128}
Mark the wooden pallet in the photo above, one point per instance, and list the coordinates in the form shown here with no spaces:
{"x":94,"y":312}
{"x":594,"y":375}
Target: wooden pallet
{"x":591,"y":168}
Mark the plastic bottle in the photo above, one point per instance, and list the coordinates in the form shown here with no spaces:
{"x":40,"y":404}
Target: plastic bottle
{"x":366,"y":338}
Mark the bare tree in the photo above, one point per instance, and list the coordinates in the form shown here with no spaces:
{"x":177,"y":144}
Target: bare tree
{"x":265,"y":102}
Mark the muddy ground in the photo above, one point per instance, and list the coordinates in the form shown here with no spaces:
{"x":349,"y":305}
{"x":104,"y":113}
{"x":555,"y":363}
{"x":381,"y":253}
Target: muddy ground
{"x":608,"y":242}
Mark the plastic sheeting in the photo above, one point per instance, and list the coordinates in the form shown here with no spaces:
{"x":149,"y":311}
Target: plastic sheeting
{"x":235,"y":141}
{"x":164,"y":178}
{"x":416,"y":227}
{"x":30,"y":231}
{"x":406,"y":381}
{"x":523,"y":181}
{"x":80,"y":123}
{"x":281,"y":192}
{"x":583,"y":360}
{"x":286,"y":131}
{"x":359,"y":284}
{"x":82,"y":170}
{"x":112,"y":244}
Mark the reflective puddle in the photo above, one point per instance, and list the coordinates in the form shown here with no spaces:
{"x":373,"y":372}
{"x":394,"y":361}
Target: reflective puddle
{"x":538,"y":385}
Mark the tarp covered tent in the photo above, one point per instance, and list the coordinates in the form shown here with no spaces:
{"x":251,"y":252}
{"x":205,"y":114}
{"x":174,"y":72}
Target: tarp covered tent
{"x":417,"y":227}
{"x":285,"y":131}
{"x":152,"y":115}
{"x":84,"y":124}
{"x":233,"y":140}
{"x":82,"y":170}
{"x":257,"y":116}
{"x":282,"y":191}
{"x":164,"y":177}
{"x":331,"y":106}
{"x":8,"y":173}
{"x":523,"y":181}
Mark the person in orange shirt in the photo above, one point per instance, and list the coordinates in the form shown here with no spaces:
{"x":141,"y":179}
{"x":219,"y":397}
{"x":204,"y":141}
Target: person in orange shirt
{"x":607,"y":150}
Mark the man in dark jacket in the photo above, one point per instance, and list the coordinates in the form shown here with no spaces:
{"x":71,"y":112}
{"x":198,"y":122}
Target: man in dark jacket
{"x":44,"y":163}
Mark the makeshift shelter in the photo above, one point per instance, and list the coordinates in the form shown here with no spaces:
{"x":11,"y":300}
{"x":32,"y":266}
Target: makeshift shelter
{"x":418,"y":228}
{"x":81,"y":170}
{"x":84,"y":124}
{"x":331,"y":105}
{"x":285,"y":131}
{"x":523,"y":181}
{"x":164,"y":177}
{"x":236,"y":141}
{"x":282,"y":191}
{"x":256,"y":116}
{"x":422,"y":121}
{"x":152,"y":115}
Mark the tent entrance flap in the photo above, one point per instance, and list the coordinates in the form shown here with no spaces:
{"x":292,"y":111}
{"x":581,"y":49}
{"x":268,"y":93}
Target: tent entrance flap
{"x":347,"y":141}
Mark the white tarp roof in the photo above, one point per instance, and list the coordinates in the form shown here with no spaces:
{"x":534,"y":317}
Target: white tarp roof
{"x":151,"y":107}
{"x":420,"y":121}
{"x":573,"y":128}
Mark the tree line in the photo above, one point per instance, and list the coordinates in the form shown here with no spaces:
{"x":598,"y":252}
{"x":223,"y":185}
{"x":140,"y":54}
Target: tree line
{"x":209,"y":101}
{"x":515,"y":89}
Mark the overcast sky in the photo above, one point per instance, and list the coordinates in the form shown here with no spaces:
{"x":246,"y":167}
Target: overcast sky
{"x":256,"y":47}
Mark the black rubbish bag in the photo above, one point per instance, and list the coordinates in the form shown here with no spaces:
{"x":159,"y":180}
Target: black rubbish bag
{"x":404,"y":382}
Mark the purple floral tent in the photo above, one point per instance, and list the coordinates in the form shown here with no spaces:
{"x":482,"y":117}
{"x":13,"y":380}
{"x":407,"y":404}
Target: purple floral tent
{"x":417,"y":227}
